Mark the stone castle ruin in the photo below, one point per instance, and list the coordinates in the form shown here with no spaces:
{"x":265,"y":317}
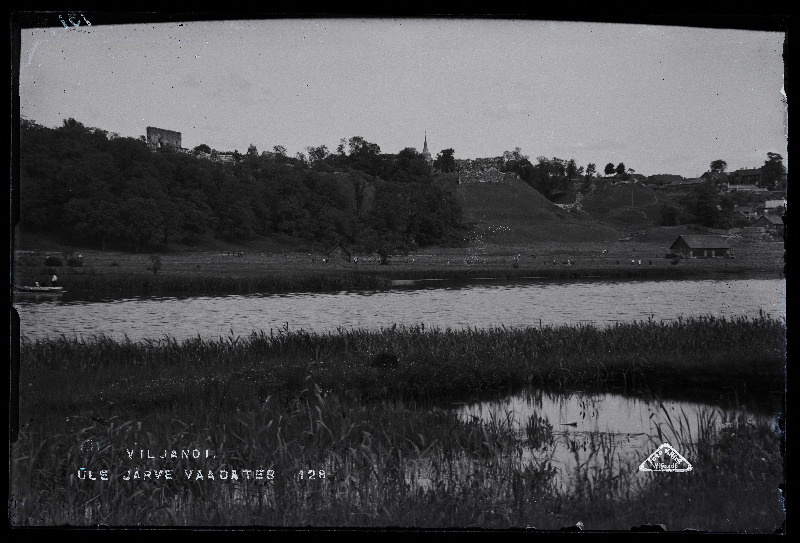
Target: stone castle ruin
{"x":159,"y":137}
{"x":480,"y":170}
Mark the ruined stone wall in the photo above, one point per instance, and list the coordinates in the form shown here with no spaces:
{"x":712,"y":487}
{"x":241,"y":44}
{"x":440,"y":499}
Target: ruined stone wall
{"x":159,"y":137}
{"x":480,"y":170}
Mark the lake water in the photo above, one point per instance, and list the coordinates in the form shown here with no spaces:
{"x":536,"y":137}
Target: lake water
{"x":432,"y":303}
{"x":602,"y":434}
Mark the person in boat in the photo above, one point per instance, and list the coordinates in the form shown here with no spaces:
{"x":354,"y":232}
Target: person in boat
{"x":54,"y":280}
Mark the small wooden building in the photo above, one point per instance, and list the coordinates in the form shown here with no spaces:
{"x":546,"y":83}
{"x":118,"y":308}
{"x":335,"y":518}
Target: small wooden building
{"x":701,"y":246}
{"x":770,"y":223}
{"x":339,"y":252}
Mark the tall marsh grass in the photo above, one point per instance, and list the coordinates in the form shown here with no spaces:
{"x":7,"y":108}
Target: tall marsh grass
{"x":385,"y":464}
{"x":291,"y":402}
{"x":431,"y":361}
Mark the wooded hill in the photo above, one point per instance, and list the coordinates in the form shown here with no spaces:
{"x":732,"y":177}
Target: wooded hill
{"x":82,"y":186}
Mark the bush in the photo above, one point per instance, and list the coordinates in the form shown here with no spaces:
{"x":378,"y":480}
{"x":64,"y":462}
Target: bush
{"x":52,"y":261}
{"x":74,"y":262}
{"x":156,"y":260}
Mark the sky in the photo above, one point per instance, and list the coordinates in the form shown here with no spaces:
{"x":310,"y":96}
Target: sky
{"x":660,"y":99}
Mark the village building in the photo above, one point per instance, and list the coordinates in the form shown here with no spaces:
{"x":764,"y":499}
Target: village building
{"x":774,"y":206}
{"x":679,"y":186}
{"x":338,"y":252}
{"x":700,"y":246}
{"x":719,"y":178}
{"x":746,"y":211}
{"x":746,"y":188}
{"x":747,"y":176}
{"x":772,"y":224}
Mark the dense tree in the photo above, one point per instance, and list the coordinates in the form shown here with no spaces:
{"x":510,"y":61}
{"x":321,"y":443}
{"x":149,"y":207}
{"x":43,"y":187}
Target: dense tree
{"x":361,"y":147}
{"x":718,"y":166}
{"x":773,"y":172}
{"x":202,"y":148}
{"x":519,"y":164}
{"x":84,"y":188}
{"x":410,"y":165}
{"x":620,"y":170}
{"x":316,"y":155}
{"x":572,"y":169}
{"x":609,"y":169}
{"x":445,"y":161}
{"x":514,"y":156}
{"x":548,"y":175}
{"x":359,"y":182}
{"x":703,"y":202}
{"x":591,"y":171}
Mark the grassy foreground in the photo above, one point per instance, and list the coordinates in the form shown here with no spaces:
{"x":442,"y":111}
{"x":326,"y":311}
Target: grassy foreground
{"x":294,"y":401}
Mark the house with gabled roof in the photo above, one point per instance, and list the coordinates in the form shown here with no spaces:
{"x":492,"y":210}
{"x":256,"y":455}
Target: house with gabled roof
{"x":339,"y":252}
{"x":701,"y":246}
{"x":772,"y":224}
{"x":746,"y":176}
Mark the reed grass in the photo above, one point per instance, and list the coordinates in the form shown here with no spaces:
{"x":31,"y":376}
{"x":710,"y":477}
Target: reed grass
{"x":297,"y":401}
{"x":385,"y":463}
{"x":703,"y":351}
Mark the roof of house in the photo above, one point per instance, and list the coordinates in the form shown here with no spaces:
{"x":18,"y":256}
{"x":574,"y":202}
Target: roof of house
{"x":721,"y":176}
{"x":750,"y":187}
{"x":775,"y":203}
{"x":703,"y":242}
{"x":774,"y":219}
{"x":345,"y":249}
{"x":747,"y":171}
{"x":691,"y":181}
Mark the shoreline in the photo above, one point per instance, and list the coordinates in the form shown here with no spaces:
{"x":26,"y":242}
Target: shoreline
{"x":335,"y":279}
{"x":199,"y":272}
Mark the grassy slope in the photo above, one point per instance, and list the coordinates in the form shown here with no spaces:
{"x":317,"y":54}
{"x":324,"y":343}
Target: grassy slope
{"x":513,"y":213}
{"x":626,"y":206}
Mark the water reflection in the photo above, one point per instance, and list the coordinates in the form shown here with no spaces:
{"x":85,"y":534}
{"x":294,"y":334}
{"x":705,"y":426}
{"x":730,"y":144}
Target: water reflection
{"x":458,"y":306}
{"x":581,"y":436}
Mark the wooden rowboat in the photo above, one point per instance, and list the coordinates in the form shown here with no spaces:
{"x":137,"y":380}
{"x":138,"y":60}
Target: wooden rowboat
{"x":45,"y":290}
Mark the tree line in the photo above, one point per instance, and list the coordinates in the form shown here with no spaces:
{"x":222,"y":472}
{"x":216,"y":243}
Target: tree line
{"x":555,"y":176}
{"x":85,"y":186}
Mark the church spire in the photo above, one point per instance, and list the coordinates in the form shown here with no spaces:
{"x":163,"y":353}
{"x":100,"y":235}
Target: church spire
{"x":425,"y":153}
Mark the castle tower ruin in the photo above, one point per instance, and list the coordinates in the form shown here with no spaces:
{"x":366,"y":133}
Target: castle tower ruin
{"x":159,"y":137}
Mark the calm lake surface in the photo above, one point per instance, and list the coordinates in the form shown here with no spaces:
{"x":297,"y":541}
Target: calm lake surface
{"x":603,"y":434}
{"x":432,"y":303}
